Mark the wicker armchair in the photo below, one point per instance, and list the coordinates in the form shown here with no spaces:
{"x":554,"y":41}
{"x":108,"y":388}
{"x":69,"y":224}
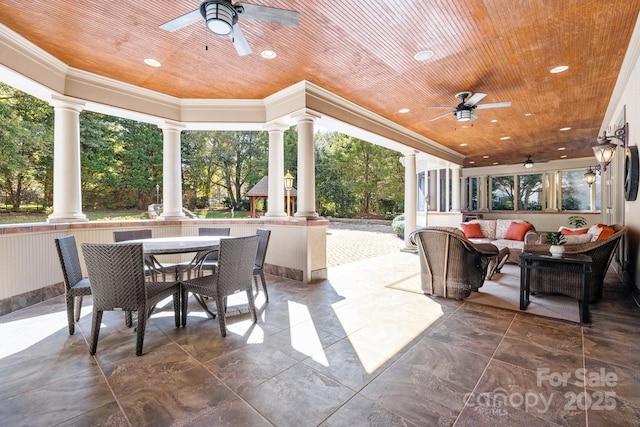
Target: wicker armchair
{"x":570,"y":283}
{"x":75,"y":285}
{"x":118,"y":283}
{"x":233,"y":274}
{"x":451,"y":266}
{"x":258,"y":267}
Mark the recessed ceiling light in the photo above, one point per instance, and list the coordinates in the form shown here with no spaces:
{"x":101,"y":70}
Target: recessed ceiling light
{"x":464,"y":144}
{"x":495,"y":163}
{"x":424,"y":55}
{"x":559,"y":69}
{"x":504,"y":138}
{"x":152,"y":62}
{"x":562,"y":148}
{"x":403,"y":110}
{"x":268,"y":54}
{"x":564,"y":129}
{"x":485,"y":157}
{"x":471,"y":162}
{"x":494,"y":121}
{"x":564,"y":156}
{"x":528,"y":114}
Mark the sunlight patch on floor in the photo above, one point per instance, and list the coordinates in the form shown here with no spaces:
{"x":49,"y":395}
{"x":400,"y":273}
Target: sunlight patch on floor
{"x":33,"y":330}
{"x":389,"y":333}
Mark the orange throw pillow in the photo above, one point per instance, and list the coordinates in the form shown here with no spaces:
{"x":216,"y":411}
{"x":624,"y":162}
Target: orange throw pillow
{"x":472,"y":230}
{"x":573,"y":231}
{"x":607,"y":231}
{"x":517,"y":230}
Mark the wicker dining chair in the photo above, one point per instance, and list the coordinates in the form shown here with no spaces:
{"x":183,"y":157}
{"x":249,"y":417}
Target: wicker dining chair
{"x":75,"y":285}
{"x":118,"y":283}
{"x":258,"y":267}
{"x":233,"y":274}
{"x":153,"y":266}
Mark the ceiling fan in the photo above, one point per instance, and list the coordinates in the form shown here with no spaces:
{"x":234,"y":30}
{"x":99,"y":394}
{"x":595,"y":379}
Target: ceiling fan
{"x":528,"y":164}
{"x":464,"y":111}
{"x":221,"y":18}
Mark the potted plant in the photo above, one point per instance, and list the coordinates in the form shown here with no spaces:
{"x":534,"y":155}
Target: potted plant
{"x":577,"y":221}
{"x":556,"y":240}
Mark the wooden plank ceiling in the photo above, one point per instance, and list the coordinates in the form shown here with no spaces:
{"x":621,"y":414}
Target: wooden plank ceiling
{"x":363,"y":50}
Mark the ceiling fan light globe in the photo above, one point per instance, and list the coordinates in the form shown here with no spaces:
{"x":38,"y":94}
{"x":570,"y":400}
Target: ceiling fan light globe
{"x":219,"y":17}
{"x":528,"y":164}
{"x":464,"y":115}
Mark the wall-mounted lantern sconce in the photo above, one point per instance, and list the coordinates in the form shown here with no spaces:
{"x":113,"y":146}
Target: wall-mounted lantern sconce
{"x":590,"y":175}
{"x":606,"y":150}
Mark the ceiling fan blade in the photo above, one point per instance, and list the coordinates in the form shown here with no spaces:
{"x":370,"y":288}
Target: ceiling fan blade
{"x":475,"y":98}
{"x":240,"y":41}
{"x":494,"y":105}
{"x":289,"y":18}
{"x":450,"y":113}
{"x":182,"y":21}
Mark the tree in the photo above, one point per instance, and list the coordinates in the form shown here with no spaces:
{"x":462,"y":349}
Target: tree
{"x":502,"y":194}
{"x":234,"y":160}
{"x":26,"y":144}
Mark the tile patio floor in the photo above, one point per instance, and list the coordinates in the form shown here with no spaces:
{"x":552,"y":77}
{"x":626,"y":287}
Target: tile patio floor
{"x":342,"y":352}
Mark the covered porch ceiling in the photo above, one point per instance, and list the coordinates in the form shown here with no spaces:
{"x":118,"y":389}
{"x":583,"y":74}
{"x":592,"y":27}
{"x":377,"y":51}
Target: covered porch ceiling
{"x":363,"y":51}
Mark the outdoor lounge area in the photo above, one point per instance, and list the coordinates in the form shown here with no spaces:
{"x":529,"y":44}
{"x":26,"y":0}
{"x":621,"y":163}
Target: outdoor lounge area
{"x":349,"y":350}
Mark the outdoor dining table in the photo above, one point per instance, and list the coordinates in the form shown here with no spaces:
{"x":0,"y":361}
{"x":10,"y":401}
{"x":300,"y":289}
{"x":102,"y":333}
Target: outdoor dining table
{"x":180,"y":245}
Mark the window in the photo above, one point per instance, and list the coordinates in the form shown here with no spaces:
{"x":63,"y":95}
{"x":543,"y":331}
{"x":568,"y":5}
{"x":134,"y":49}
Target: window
{"x":422,"y":191}
{"x":530,"y":192}
{"x":502,"y":193}
{"x":577,"y":194}
{"x":472,"y":191}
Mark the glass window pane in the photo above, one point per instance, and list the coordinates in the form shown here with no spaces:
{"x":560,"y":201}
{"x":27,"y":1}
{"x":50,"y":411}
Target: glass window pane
{"x":502,"y":193}
{"x":530,"y":192}
{"x":576,"y":194}
{"x":422,"y":192}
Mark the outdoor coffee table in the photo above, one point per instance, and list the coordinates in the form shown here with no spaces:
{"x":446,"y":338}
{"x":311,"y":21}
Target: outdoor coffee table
{"x":531,"y":261}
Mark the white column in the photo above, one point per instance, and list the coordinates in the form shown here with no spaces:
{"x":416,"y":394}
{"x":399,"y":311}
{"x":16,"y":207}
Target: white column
{"x":439,"y":195}
{"x":275,"y":197}
{"x":447,"y":187}
{"x":433,"y":191}
{"x":455,"y":189}
{"x":483,"y":191}
{"x":171,"y":171}
{"x":67,"y":193}
{"x":410,"y":195}
{"x":553,"y":192}
{"x":306,"y":197}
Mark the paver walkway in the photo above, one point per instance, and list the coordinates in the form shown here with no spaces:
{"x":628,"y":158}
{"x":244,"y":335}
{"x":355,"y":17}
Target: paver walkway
{"x":351,"y":242}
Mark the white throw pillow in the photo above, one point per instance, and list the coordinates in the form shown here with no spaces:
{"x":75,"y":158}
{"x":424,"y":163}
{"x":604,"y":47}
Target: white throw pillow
{"x":577,"y":238}
{"x":595,"y":231}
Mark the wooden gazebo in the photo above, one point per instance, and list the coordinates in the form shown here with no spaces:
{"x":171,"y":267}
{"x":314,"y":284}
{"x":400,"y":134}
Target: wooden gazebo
{"x":261,"y":190}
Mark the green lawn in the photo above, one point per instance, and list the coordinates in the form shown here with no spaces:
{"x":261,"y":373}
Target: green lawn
{"x":26,"y":217}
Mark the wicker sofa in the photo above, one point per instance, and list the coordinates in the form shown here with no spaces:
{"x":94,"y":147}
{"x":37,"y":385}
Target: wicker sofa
{"x":494,"y":231}
{"x":570,"y":283}
{"x":452,"y":266}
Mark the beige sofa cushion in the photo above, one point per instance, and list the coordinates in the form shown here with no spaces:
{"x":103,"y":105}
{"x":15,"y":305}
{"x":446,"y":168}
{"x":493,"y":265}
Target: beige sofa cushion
{"x":488,"y":227}
{"x":502,"y":225}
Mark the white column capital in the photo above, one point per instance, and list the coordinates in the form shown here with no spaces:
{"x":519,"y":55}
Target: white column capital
{"x":306,"y":115}
{"x":170,"y":125}
{"x":276,"y":126}
{"x":61,"y":101}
